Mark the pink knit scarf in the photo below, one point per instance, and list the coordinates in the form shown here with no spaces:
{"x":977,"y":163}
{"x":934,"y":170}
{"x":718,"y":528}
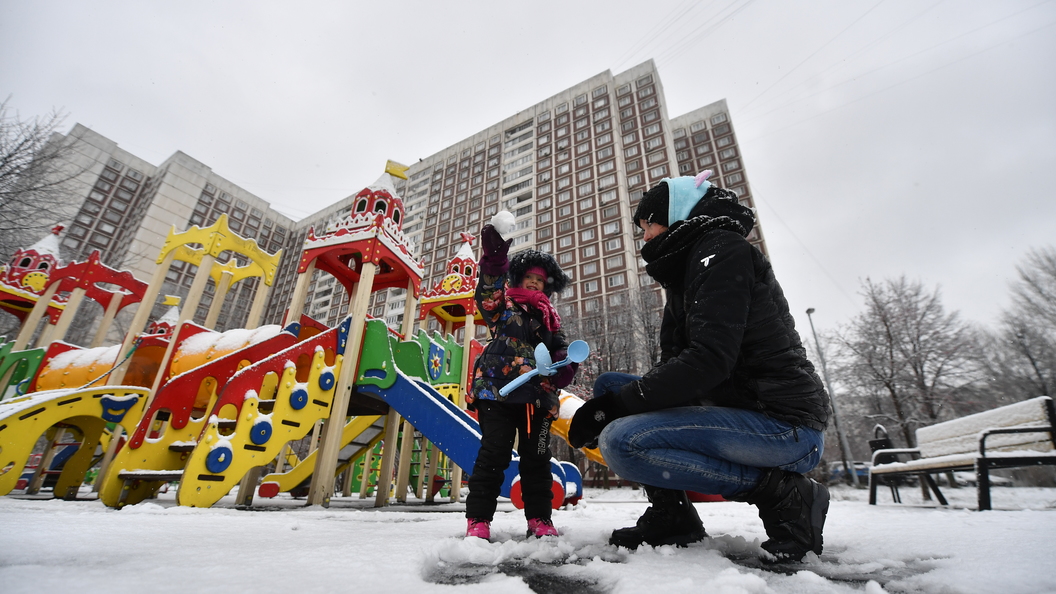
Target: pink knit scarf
{"x":539,"y":301}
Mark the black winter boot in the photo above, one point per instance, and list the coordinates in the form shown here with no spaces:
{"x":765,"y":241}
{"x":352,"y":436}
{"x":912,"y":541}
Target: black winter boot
{"x":671,"y":519}
{"x":792,"y":508}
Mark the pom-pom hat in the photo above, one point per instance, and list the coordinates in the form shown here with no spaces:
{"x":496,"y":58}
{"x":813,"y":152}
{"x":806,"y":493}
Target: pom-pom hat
{"x":530,"y":260}
{"x":672,"y":199}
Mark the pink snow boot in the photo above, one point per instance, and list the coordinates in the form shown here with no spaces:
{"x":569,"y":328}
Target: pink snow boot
{"x":540,"y":528}
{"x":478,"y":528}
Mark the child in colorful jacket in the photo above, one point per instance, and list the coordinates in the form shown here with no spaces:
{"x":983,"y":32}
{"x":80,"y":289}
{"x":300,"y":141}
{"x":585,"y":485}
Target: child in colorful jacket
{"x":514,"y":299}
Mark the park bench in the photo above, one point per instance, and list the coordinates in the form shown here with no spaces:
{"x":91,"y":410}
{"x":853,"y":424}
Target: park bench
{"x":1012,"y":436}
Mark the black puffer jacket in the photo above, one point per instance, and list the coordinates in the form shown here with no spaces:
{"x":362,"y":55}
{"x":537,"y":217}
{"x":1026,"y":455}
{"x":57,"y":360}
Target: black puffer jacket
{"x":727,"y":337}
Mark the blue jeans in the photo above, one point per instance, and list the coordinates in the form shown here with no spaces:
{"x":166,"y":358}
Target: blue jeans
{"x":707,"y":449}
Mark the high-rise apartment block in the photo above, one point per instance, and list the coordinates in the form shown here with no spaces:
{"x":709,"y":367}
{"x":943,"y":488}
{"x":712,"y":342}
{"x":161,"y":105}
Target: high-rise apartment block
{"x":570,"y":168}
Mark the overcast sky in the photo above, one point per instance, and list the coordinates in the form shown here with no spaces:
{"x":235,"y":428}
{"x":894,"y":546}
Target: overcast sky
{"x":880,"y":138}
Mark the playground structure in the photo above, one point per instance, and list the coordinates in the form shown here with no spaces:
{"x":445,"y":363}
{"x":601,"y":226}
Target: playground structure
{"x":211,"y":410}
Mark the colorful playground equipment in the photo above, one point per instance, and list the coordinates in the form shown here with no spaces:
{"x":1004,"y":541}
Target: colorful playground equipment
{"x":211,"y":411}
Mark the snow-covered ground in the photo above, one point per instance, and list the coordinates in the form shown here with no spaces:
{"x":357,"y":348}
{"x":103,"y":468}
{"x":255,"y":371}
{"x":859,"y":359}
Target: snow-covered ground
{"x":282,"y":546}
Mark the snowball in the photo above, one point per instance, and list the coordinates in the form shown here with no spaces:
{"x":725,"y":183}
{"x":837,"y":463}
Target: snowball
{"x":503,"y":222}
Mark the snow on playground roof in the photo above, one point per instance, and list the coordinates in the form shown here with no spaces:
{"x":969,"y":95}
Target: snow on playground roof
{"x":466,"y":252}
{"x":228,"y":341}
{"x":85,"y":357}
{"x":384,"y":183}
{"x":49,"y":245}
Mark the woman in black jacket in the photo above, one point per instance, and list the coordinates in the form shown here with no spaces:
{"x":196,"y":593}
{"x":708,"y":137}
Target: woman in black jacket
{"x":733,"y":407}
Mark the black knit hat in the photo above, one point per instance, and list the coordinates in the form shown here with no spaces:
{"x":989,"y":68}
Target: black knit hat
{"x":521,"y":262}
{"x":653,"y":207}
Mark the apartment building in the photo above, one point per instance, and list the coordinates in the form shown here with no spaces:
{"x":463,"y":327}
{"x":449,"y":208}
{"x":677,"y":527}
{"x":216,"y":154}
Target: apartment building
{"x":571,"y":169}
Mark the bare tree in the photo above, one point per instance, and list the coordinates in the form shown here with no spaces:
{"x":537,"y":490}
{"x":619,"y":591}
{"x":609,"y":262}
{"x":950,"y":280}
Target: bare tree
{"x":1020,"y":356}
{"x":1034,"y":295}
{"x":904,"y":359}
{"x":35,"y":175}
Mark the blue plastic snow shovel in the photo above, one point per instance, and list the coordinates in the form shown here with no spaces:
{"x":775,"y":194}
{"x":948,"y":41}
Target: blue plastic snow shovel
{"x":577,"y":353}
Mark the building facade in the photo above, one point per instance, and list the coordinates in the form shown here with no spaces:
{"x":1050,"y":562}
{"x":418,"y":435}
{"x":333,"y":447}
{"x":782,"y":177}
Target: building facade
{"x":570,"y":168}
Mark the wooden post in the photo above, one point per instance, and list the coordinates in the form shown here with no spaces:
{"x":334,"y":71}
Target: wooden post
{"x":316,"y":430}
{"x":346,"y":485}
{"x":467,"y":346}
{"x":33,"y":319}
{"x":53,"y":436}
{"x":108,"y":319}
{"x":139,"y":321}
{"x":410,"y":304}
{"x":388,"y":458}
{"x":368,"y":461}
{"x":323,"y":477}
{"x":45,"y":335}
{"x":456,"y":472}
{"x":248,"y":487}
{"x":194,"y":296}
{"x":218,"y":298}
{"x":300,"y":292}
{"x":256,"y":311}
{"x":70,"y":312}
{"x":280,"y":462}
{"x":403,"y":472}
{"x":424,"y":469}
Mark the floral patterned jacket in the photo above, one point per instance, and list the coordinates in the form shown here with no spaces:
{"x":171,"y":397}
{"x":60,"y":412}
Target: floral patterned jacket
{"x":515,"y":331}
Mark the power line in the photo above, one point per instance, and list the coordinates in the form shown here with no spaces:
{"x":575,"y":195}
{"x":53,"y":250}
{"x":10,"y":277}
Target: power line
{"x":902,"y":59}
{"x":693,"y":39}
{"x":805,"y":60}
{"x":865,"y":48}
{"x":889,"y":87}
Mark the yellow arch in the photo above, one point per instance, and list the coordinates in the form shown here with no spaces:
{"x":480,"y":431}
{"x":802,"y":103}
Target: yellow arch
{"x":218,"y":238}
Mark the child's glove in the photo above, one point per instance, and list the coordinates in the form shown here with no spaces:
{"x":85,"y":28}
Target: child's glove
{"x":494,"y":259}
{"x":592,"y":417}
{"x":566,"y":374}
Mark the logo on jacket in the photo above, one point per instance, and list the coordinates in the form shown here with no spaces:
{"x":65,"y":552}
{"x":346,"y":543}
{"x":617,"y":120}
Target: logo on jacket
{"x":707,"y":260}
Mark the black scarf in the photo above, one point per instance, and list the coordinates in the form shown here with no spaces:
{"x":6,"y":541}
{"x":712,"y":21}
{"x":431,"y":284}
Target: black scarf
{"x":665,"y":255}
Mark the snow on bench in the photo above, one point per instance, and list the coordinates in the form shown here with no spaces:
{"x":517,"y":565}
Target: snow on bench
{"x":1012,"y":436}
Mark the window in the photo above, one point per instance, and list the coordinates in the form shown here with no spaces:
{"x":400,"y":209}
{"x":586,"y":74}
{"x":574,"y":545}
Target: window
{"x":586,"y":235}
{"x":608,"y":196}
{"x":728,"y":153}
{"x":656,"y":172}
{"x":565,"y":258}
{"x":590,"y":251}
{"x":543,"y":218}
{"x":718,"y":119}
{"x":614,"y":261}
{"x":563,"y":242}
{"x":590,"y":268}
{"x":653,"y":143}
{"x":617,"y":280}
{"x":586,"y":220}
{"x":610,"y":228}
